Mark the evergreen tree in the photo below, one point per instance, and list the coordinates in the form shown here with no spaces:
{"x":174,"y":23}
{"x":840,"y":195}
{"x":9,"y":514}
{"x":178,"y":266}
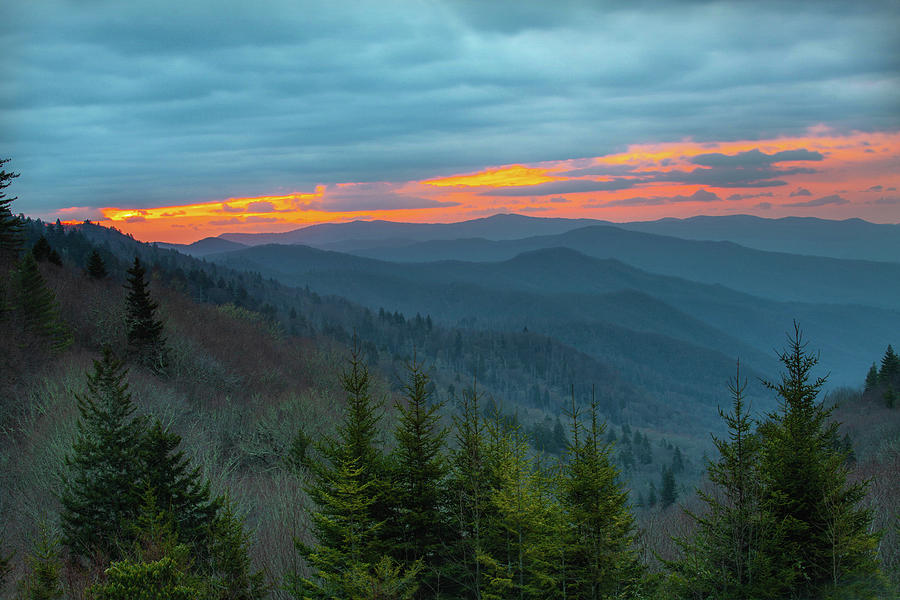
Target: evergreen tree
{"x":890,"y":365}
{"x":872,"y":378}
{"x":522,"y":539}
{"x":668,"y":493}
{"x":144,"y":331}
{"x":43,"y":567}
{"x":470,"y":485}
{"x":99,"y":492}
{"x":420,"y":527}
{"x":179,"y":491}
{"x":677,"y":461}
{"x":232,"y":575}
{"x":726,"y":557}
{"x":600,"y":557}
{"x":96,"y":268}
{"x":10,"y":224}
{"x":41,"y":250}
{"x":349,"y":481}
{"x":37,"y":305}
{"x":824,"y":547}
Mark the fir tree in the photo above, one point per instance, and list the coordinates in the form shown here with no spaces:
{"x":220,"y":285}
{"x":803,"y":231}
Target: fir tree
{"x":668,"y":493}
{"x":872,"y":378}
{"x":419,"y":523}
{"x":726,"y":557}
{"x":179,"y":491}
{"x":5,"y":566}
{"x":41,"y":249}
{"x":96,"y":269}
{"x":824,"y":546}
{"x":43,"y":567}
{"x":470,"y":483}
{"x":37,"y":305}
{"x":890,"y":365}
{"x":144,"y":331}
{"x":99,"y":493}
{"x":350,"y":485}
{"x":600,"y":557}
{"x":522,"y":542}
{"x":10,"y":224}
{"x":232,"y":575}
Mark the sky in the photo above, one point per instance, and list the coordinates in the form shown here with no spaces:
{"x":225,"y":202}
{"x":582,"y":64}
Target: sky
{"x":174,"y":121}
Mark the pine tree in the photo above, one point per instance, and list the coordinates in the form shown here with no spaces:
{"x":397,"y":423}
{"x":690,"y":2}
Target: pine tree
{"x":178,"y":490}
{"x":10,"y":224}
{"x":96,"y":269}
{"x":470,"y":485}
{"x":41,"y":249}
{"x":521,"y":544}
{"x":890,"y":365}
{"x":99,"y":492}
{"x":43,"y":567}
{"x":668,"y":493}
{"x":599,"y":537}
{"x":727,"y":555}
{"x":232,"y":575}
{"x":350,"y":484}
{"x":144,"y":331}
{"x":37,"y":305}
{"x":419,"y":525}
{"x":824,"y":546}
{"x":872,"y":378}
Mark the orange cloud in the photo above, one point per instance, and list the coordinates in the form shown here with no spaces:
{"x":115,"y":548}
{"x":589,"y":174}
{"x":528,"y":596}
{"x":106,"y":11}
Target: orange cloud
{"x":645,"y":181}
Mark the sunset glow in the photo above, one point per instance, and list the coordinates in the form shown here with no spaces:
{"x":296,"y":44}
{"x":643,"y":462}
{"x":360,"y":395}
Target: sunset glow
{"x":814,"y":175}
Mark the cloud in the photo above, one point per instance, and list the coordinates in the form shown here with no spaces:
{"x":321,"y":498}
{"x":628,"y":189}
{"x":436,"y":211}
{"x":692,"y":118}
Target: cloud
{"x":746,"y":196}
{"x":764,"y":205}
{"x":558,"y":200}
{"x":800,"y":192}
{"x":260,"y":207}
{"x":823,"y":201}
{"x":698,"y":196}
{"x":231,"y":209}
{"x":885,"y":201}
{"x":372,"y":196}
{"x":875,"y":188}
{"x":754,"y":158}
{"x":175,"y":110}
{"x":571,"y":186}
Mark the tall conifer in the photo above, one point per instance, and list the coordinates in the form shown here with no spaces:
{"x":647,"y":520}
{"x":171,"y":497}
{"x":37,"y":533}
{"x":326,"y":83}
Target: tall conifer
{"x":100,"y":495}
{"x":144,"y":332}
{"x":419,"y":524}
{"x":37,"y":306}
{"x":824,"y":546}
{"x":600,"y":556}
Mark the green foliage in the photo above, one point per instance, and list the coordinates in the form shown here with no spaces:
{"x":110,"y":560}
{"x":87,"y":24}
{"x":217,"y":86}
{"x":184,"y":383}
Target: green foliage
{"x":668,"y":493}
{"x":386,"y":580}
{"x":470,"y":483}
{"x":163,"y":579}
{"x":179,"y":490}
{"x":727,"y":555}
{"x":824,"y":545}
{"x":43,"y":567}
{"x":350,"y":484}
{"x":5,"y":566}
{"x":100,"y":496}
{"x":598,"y":543}
{"x":232,"y":576}
{"x":10,"y":224}
{"x":37,"y":306}
{"x":890,"y":365}
{"x":145,"y":338}
{"x":418,"y":528}
{"x":96,"y":268}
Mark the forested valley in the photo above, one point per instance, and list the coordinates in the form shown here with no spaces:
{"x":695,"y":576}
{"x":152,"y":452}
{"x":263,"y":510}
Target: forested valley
{"x":172,"y":427}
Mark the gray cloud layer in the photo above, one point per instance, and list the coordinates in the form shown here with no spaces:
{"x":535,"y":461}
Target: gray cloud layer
{"x":143,"y":103}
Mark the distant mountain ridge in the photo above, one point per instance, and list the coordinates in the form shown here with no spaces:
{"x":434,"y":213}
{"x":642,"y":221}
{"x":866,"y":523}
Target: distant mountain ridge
{"x":848,"y":239}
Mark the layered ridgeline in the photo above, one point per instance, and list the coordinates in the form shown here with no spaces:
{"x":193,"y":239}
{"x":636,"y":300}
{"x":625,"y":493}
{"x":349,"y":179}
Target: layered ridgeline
{"x":592,"y":303}
{"x":271,"y":425}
